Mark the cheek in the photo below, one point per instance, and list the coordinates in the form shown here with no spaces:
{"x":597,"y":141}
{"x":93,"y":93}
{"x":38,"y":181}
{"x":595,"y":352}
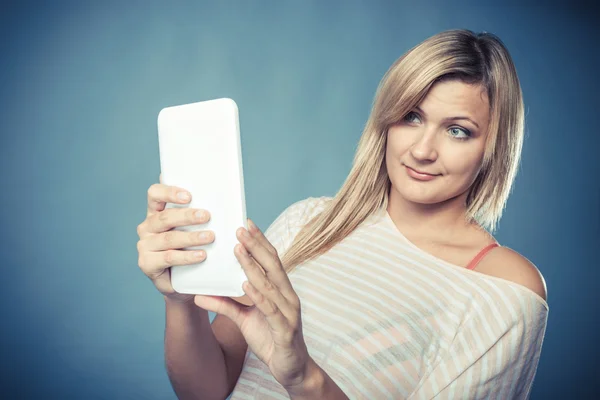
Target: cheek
{"x":464,"y":169}
{"x":463,"y":165}
{"x":468,"y":161}
{"x":392,"y":155}
{"x":395,"y":147}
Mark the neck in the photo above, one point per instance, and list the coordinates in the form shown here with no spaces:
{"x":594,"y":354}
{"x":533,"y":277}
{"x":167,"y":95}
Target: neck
{"x":439,"y":220}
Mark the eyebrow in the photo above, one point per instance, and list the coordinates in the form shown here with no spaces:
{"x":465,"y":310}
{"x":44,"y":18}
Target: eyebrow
{"x":451,"y":118}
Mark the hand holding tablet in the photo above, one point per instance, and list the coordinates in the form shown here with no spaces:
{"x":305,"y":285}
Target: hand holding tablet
{"x":159,"y":243}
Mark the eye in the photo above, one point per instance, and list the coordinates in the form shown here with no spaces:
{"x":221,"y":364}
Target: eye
{"x":456,"y":131}
{"x":408,"y":117}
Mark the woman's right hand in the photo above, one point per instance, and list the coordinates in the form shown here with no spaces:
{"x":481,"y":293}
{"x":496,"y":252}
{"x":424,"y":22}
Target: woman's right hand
{"x":158,"y":247}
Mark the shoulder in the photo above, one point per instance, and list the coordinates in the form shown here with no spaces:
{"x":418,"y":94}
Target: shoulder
{"x":311,"y":203}
{"x":288,"y":223}
{"x":300,"y":212}
{"x":506,"y":263}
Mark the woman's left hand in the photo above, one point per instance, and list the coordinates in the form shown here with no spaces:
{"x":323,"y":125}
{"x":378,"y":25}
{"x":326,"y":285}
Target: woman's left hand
{"x":272,"y":327}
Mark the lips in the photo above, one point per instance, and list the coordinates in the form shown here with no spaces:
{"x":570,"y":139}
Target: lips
{"x":421,"y":172}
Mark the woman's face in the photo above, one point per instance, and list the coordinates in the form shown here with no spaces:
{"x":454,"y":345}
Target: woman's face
{"x":428,"y":139}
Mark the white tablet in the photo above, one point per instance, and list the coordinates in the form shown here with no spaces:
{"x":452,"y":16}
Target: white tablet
{"x":200,"y":150}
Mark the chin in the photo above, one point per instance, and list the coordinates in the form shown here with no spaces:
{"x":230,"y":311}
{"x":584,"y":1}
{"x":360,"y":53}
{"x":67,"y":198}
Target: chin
{"x":421,"y":198}
{"x":414,"y":194}
{"x":422,"y":192}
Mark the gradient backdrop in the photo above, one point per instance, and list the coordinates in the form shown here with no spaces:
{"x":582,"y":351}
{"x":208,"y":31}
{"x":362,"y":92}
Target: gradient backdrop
{"x":82,"y":84}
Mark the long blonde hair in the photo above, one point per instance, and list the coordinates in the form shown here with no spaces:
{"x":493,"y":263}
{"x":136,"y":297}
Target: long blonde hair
{"x":454,"y":54}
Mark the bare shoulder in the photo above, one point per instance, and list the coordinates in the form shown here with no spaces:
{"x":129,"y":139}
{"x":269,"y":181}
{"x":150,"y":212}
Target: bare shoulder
{"x":506,"y":263}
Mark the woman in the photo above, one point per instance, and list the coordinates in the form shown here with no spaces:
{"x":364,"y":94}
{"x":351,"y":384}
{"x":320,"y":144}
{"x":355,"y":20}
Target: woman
{"x":393,"y":289}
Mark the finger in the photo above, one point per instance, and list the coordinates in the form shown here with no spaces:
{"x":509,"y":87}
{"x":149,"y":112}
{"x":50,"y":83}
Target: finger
{"x":262,"y":239}
{"x":223,"y":305}
{"x":266,"y":296}
{"x":274,"y":316}
{"x":174,"y":217}
{"x":269,"y":262}
{"x":159,"y":195}
{"x":154,"y":263}
{"x":174,"y":239}
{"x":163,"y":283}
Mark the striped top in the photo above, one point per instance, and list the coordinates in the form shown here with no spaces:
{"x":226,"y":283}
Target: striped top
{"x":386,"y":320}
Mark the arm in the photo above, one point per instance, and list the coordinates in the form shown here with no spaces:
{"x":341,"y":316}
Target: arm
{"x":194,"y":360}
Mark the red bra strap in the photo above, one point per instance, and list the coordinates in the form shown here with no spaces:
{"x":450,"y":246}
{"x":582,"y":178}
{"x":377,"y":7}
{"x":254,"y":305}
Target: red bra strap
{"x":480,"y":255}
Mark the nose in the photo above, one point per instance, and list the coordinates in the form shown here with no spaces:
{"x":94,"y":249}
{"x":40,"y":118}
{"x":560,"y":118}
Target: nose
{"x":424,"y":147}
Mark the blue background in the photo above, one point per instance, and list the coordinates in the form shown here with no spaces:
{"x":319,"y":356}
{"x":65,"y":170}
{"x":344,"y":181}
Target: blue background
{"x":82,"y":85}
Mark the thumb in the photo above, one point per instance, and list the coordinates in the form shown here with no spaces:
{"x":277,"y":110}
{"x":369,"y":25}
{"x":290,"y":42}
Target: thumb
{"x":222,"y":305}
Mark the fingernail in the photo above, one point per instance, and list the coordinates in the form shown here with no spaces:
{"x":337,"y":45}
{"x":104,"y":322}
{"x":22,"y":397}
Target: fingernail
{"x":198,"y":254}
{"x":184,"y":196}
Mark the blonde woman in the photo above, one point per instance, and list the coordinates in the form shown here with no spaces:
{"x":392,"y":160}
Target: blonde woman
{"x":394,"y":288}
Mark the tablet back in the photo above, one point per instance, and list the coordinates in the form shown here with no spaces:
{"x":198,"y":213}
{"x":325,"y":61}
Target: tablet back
{"x":200,"y":151}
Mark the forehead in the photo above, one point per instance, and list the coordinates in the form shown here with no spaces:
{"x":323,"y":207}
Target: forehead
{"x":453,"y":97}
